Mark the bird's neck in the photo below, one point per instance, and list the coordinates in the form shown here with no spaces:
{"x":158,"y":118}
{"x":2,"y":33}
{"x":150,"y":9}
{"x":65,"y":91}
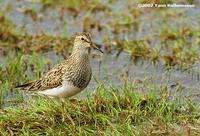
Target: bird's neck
{"x":81,"y":55}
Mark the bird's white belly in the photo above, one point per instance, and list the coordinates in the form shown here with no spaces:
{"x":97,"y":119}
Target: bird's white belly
{"x":66,"y":90}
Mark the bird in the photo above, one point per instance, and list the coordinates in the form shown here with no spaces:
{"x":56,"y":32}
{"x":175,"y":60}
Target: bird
{"x":69,"y":77}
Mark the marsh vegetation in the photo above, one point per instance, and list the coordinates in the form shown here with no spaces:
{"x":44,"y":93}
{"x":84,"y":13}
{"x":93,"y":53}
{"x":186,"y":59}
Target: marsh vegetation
{"x":147,"y":83}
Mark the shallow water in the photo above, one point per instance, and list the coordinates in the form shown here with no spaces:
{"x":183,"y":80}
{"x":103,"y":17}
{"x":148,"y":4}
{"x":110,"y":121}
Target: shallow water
{"x":107,"y":68}
{"x":145,"y":72}
{"x":113,"y":72}
{"x":50,"y":21}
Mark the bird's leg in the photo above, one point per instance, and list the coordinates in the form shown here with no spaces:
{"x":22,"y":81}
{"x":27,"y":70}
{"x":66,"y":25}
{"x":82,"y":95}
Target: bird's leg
{"x":63,"y":111}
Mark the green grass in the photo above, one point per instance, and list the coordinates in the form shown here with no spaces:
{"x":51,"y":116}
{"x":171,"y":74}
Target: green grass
{"x":18,"y":69}
{"x":107,"y":112}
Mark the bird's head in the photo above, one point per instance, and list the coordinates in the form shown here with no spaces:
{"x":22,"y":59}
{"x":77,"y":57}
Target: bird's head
{"x":83,"y":42}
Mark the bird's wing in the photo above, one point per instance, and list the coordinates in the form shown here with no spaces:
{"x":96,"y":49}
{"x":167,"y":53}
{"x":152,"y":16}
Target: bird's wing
{"x":52,"y":79}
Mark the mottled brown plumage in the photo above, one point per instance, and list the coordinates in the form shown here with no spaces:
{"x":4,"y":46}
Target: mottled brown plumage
{"x":74,"y":72}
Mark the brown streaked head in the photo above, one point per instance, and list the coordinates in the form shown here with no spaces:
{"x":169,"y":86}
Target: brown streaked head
{"x":83,"y":40}
{"x":83,"y":36}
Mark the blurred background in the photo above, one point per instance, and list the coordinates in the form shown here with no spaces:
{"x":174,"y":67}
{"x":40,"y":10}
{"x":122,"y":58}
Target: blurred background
{"x":143,"y":46}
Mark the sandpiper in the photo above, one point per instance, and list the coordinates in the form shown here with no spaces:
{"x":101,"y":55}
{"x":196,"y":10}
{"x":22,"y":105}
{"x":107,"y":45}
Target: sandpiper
{"x":69,"y":77}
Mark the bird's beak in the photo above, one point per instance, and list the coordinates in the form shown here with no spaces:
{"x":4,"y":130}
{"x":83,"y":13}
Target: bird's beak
{"x":95,"y":47}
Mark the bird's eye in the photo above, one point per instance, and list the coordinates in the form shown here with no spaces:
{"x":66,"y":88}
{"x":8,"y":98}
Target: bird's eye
{"x":82,"y":39}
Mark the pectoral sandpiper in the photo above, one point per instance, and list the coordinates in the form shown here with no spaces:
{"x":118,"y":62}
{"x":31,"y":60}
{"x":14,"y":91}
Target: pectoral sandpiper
{"x":69,"y":77}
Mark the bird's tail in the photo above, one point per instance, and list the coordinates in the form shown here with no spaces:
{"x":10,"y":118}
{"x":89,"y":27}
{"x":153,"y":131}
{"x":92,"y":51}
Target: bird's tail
{"x":25,"y":86}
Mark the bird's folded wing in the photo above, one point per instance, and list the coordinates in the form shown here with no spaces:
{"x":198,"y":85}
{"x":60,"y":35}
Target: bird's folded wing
{"x":52,"y":79}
